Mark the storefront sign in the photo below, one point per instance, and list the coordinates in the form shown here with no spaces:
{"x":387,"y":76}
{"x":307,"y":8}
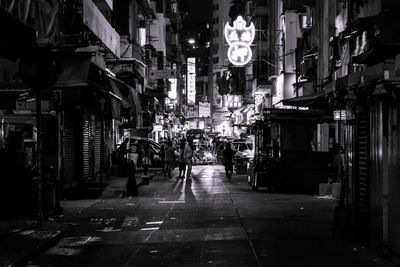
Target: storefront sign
{"x":239,"y":38}
{"x":204,"y":109}
{"x":339,"y":115}
{"x":162,"y":74}
{"x":157,"y":128}
{"x":172,"y":93}
{"x":191,"y":80}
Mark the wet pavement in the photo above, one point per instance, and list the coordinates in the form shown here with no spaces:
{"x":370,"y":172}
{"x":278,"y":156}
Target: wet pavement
{"x":205,"y":221}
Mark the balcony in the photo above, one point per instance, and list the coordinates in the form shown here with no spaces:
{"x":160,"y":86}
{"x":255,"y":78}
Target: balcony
{"x":79,"y":18}
{"x":99,"y":26}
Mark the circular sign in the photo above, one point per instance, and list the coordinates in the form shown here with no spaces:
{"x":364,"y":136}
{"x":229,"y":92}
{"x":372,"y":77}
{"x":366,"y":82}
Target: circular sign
{"x":239,"y":54}
{"x":239,"y":37}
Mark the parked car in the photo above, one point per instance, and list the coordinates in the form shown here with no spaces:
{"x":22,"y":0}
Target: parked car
{"x":243,"y":148}
{"x":134,"y":145}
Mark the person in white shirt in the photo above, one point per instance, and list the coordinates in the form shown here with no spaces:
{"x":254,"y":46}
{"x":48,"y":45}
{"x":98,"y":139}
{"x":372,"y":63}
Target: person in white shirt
{"x":188,"y":153}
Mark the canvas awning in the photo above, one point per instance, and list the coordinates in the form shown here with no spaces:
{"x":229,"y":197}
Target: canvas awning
{"x":117,"y":88}
{"x":317,"y":99}
{"x":294,"y":115}
{"x":75,"y":70}
{"x":134,"y":95}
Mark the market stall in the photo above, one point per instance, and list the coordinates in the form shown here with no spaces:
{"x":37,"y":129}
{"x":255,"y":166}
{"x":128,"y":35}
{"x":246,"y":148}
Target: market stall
{"x":284,"y":157}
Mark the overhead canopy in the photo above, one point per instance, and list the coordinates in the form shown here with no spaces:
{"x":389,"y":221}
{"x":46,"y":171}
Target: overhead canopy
{"x":134,"y":96}
{"x":75,"y":70}
{"x":78,"y":70}
{"x":116,"y":86}
{"x":145,"y":6}
{"x":382,"y":48}
{"x":293,"y":115}
{"x":312,"y":100}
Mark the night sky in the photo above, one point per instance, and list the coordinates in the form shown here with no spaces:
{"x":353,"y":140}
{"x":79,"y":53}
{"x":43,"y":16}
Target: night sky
{"x":199,"y":11}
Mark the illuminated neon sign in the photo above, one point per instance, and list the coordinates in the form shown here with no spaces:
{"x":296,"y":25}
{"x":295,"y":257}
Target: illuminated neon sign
{"x":239,"y":38}
{"x":191,"y":80}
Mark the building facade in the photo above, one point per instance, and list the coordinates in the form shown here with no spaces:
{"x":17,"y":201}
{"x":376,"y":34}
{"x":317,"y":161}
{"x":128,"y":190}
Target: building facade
{"x":88,"y":63}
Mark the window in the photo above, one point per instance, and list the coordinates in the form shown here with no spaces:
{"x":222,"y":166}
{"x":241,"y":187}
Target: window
{"x":160,"y":60}
{"x":215,"y":48}
{"x":215,"y":60}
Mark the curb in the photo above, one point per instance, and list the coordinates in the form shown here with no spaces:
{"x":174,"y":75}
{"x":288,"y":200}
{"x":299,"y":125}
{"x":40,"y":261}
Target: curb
{"x":39,"y":249}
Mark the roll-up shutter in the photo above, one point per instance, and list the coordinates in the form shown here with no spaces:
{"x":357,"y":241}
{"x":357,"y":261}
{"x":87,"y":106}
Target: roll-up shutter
{"x":97,"y":147}
{"x":69,"y":168}
{"x":86,"y":145}
{"x":362,"y":175}
{"x":342,"y":133}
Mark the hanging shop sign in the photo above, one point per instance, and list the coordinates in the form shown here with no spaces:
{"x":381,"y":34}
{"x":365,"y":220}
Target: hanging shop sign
{"x":204,"y":109}
{"x":157,"y":128}
{"x":191,"y":80}
{"x":239,"y":38}
{"x":162,"y":74}
{"x":339,"y":115}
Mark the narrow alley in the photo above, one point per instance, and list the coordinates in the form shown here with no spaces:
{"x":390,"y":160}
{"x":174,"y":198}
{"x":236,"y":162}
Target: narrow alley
{"x":205,"y":221}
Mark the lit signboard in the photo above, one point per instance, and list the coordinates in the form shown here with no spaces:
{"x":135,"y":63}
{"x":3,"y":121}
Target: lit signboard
{"x":239,"y":38}
{"x":191,"y":80}
{"x":339,"y":115}
{"x":204,"y":109}
{"x":173,"y":87}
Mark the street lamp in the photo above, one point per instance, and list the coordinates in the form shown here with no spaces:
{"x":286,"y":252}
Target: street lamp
{"x":191,"y":41}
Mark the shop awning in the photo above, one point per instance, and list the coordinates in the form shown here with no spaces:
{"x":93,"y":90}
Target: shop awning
{"x":306,"y":101}
{"x":381,"y":49}
{"x":118,"y":86}
{"x":294,"y":115}
{"x":148,"y":11}
{"x":75,"y":70}
{"x":134,"y":96}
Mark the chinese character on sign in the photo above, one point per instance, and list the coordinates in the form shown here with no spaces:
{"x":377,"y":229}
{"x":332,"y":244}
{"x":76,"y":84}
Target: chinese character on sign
{"x":191,"y":80}
{"x":339,"y":115}
{"x":239,"y":38}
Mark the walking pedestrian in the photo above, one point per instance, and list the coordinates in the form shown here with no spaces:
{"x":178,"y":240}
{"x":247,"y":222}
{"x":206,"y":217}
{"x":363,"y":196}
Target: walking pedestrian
{"x":146,"y":158}
{"x":228,"y":155}
{"x":188,"y":154}
{"x":131,"y":186}
{"x":182,"y":162}
{"x":162,"y":156}
{"x":120,"y":156}
{"x":169,"y":159}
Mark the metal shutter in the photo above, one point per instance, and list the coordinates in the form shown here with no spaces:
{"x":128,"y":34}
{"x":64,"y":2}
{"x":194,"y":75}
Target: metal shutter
{"x":86,"y":145}
{"x":97,"y":147}
{"x":362,"y":175}
{"x":69,"y":170}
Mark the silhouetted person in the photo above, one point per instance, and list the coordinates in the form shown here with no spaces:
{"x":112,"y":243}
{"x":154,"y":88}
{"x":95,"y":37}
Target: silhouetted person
{"x":228,"y":154}
{"x":188,"y":154}
{"x":169,"y":159}
{"x":182,"y":162}
{"x":146,"y":158}
{"x":120,"y":154}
